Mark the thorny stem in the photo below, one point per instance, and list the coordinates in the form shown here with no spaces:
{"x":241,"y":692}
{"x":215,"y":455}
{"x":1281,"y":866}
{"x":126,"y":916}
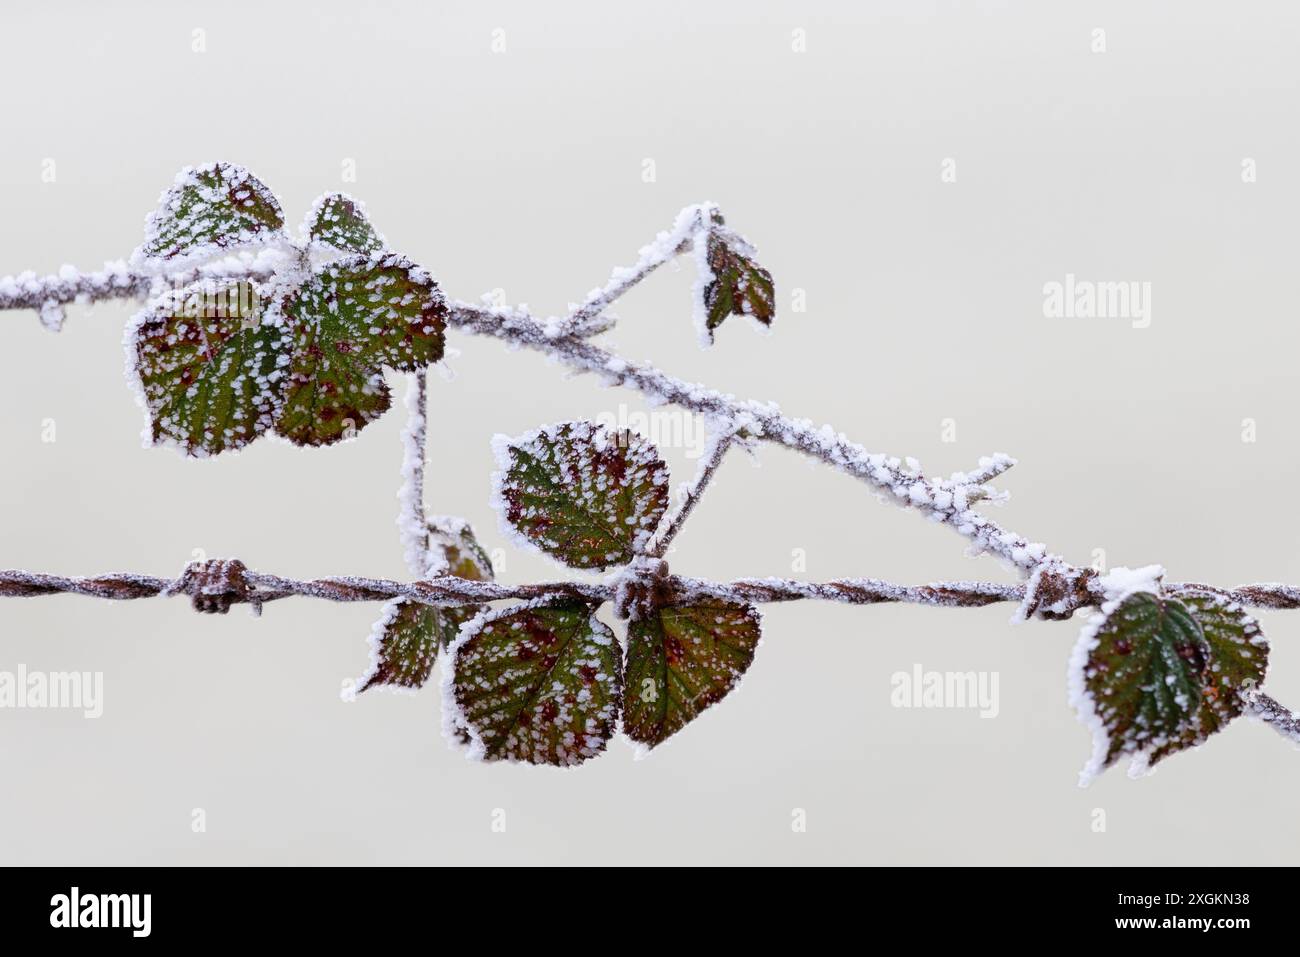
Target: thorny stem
{"x":452,"y":590}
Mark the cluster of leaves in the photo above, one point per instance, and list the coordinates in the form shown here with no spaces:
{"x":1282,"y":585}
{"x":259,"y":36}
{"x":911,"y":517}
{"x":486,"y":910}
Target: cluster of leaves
{"x":546,"y":682}
{"x":1156,"y":674}
{"x":220,"y":362}
{"x":303,"y":354}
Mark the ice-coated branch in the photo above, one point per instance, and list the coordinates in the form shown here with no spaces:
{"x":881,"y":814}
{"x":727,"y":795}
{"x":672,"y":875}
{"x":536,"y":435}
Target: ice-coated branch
{"x":1276,"y":715}
{"x":585,"y":319}
{"x":720,"y":439}
{"x":943,"y":500}
{"x":412,"y":521}
{"x":117,"y":281}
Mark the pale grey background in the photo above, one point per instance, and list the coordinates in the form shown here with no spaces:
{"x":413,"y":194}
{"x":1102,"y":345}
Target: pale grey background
{"x":523,"y":170}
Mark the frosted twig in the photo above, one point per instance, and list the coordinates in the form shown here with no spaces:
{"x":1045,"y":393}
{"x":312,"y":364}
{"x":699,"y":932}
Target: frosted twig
{"x":990,"y":467}
{"x":117,"y":281}
{"x":583,"y":320}
{"x":720,"y":439}
{"x":946,"y":501}
{"x":940,"y":500}
{"x":1276,"y":715}
{"x":412,"y":522}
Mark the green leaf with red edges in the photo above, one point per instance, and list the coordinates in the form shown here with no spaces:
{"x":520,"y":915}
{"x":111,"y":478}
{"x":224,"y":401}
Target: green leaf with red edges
{"x":732,"y":283}
{"x":210,"y":209}
{"x":581,"y":493}
{"x":681,"y":660}
{"x":339,"y":222}
{"x":210,"y":370}
{"x":1138,"y":680}
{"x":537,"y":683}
{"x":350,"y":320}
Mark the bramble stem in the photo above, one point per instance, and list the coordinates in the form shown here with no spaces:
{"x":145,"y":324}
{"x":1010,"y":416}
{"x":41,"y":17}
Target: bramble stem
{"x":412,"y":520}
{"x":719,"y":441}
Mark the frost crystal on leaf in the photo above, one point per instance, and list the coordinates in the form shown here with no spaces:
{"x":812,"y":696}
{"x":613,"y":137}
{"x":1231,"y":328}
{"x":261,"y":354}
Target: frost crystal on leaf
{"x":537,"y":683}
{"x":580,"y":493}
{"x":210,"y":209}
{"x":339,"y":222}
{"x":681,"y":660}
{"x":208,"y":369}
{"x":347,"y":322}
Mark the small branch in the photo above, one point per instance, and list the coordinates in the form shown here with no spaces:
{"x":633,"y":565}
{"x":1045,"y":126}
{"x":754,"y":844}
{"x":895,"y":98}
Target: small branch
{"x":116,"y":281}
{"x":720,"y":439}
{"x":940,"y":500}
{"x":583,"y":320}
{"x":990,"y":467}
{"x":412,"y":522}
{"x":1276,"y":715}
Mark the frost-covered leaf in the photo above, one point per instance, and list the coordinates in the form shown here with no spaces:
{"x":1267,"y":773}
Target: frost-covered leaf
{"x":339,"y":222}
{"x":403,"y":645}
{"x":1137,"y":678}
{"x":536,"y":683}
{"x":208,"y":209}
{"x":681,"y":660}
{"x":1237,"y":661}
{"x":731,"y":283}
{"x":581,"y":493}
{"x":348,"y":321}
{"x":209,"y":369}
